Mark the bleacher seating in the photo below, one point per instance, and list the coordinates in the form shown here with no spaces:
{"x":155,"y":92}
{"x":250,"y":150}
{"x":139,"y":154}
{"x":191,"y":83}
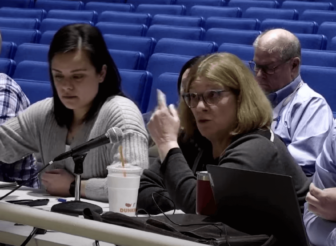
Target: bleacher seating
{"x":8,"y":50}
{"x":267,"y":13}
{"x":154,"y":9}
{"x":24,"y":23}
{"x":301,"y":6}
{"x":295,"y":26}
{"x":190,"y":3}
{"x":318,"y":58}
{"x":124,"y":17}
{"x":23,"y":13}
{"x":122,"y":29}
{"x":206,"y":11}
{"x":79,"y":15}
{"x":245,"y":4}
{"x":312,"y":41}
{"x":163,"y":31}
{"x":54,"y":4}
{"x":55,"y":24}
{"x":167,"y":83}
{"x":135,"y":84}
{"x":35,"y":91}
{"x":328,"y":29}
{"x":47,"y":37}
{"x":221,"y":35}
{"x":32,"y":52}
{"x":187,"y":21}
{"x":319,"y":16}
{"x":17,"y":3}
{"x":101,"y":7}
{"x":232,"y":23}
{"x":185,"y":47}
{"x":32,"y":70}
{"x":125,"y":59}
{"x":20,"y":36}
{"x":7,"y":66}
{"x":332,"y":45}
{"x":145,"y":45}
{"x":137,"y":2}
{"x":243,"y":51}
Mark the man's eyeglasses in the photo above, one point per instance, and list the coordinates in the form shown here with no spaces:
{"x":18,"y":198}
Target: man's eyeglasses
{"x":265,"y":69}
{"x":209,"y":97}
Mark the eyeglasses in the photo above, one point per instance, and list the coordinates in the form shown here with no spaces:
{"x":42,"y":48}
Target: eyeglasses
{"x":265,"y":69}
{"x":209,"y":97}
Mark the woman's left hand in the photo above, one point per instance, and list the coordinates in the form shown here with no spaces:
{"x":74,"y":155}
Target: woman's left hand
{"x":57,"y":182}
{"x":163,"y":127}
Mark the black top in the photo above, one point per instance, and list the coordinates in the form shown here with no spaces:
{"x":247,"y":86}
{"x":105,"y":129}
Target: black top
{"x":176,"y":179}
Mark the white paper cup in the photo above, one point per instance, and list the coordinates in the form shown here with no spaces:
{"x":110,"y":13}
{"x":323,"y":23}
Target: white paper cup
{"x":123,"y":193}
{"x":128,"y":169}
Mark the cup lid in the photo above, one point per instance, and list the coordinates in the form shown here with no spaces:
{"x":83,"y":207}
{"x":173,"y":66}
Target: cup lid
{"x":118,"y":168}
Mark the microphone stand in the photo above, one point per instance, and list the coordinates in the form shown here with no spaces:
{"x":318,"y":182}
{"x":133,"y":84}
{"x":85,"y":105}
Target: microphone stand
{"x":76,"y":207}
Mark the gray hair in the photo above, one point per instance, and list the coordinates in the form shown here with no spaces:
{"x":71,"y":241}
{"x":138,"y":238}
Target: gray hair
{"x":290,"y":46}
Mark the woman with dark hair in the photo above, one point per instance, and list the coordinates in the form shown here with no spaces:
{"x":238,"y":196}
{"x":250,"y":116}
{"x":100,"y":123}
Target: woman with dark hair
{"x":87,"y":101}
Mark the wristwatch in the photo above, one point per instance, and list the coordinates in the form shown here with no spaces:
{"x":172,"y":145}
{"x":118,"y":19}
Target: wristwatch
{"x":72,"y":188}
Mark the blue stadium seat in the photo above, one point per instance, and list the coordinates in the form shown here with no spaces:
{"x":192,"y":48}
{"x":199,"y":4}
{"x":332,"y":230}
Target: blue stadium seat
{"x":221,"y":35}
{"x":23,"y":13}
{"x":122,"y":29}
{"x":126,"y":59}
{"x":185,"y":47}
{"x":17,"y":3}
{"x":322,"y":80}
{"x":79,"y":15}
{"x":162,"y":31}
{"x":332,"y":45}
{"x":318,"y":58}
{"x":243,"y":51}
{"x":154,"y":9}
{"x":328,"y":29}
{"x":190,"y":3}
{"x":35,"y":91}
{"x":7,"y":66}
{"x":55,"y":24}
{"x":161,"y":63}
{"x":245,"y":4}
{"x":145,"y":45}
{"x":167,"y":83}
{"x":137,"y":2}
{"x":135,"y":84}
{"x":207,"y":11}
{"x":8,"y":50}
{"x":232,"y":23}
{"x":101,"y":7}
{"x":124,"y":17}
{"x":319,"y":16}
{"x":296,"y":26}
{"x":53,"y":4}
{"x":312,"y":41}
{"x":267,"y":13}
{"x":32,"y":70}
{"x":24,"y":23}
{"x":32,"y":52}
{"x":20,"y":36}
{"x":47,"y":37}
{"x":190,"y":21}
{"x":301,"y":6}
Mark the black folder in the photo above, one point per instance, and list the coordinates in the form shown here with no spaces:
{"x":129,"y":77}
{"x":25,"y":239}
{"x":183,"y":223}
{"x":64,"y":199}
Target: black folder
{"x":258,"y":203}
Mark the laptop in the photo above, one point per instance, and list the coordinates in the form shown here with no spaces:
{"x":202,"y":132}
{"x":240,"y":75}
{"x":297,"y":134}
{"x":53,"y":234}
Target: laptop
{"x":258,"y":203}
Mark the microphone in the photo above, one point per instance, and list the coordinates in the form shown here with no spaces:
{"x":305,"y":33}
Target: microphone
{"x":113,"y":135}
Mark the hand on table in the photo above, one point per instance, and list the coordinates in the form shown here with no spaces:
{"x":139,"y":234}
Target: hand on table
{"x":322,"y":202}
{"x":164,"y":126}
{"x":57,"y":182}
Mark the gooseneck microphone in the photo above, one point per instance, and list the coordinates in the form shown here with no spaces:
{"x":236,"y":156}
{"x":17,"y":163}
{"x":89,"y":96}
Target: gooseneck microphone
{"x":113,"y":135}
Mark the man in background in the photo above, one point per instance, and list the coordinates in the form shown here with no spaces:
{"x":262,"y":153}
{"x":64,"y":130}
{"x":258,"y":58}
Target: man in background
{"x":301,"y":117}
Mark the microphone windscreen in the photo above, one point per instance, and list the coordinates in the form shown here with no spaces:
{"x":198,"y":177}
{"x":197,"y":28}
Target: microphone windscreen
{"x":114,"y":134}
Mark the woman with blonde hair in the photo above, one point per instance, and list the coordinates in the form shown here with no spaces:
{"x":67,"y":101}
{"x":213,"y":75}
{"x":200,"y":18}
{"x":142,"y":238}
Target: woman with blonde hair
{"x":225,"y":114}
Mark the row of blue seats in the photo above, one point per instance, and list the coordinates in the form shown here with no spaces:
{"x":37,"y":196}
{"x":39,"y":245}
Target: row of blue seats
{"x":136,"y":54}
{"x":162,"y":74}
{"x":218,"y":35}
{"x":202,"y":11}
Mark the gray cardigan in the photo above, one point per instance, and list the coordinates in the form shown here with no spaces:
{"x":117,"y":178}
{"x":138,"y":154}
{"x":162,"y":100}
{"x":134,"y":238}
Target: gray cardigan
{"x":36,"y":131}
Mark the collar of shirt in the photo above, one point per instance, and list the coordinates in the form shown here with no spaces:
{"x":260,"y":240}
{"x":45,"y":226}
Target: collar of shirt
{"x":276,"y":97}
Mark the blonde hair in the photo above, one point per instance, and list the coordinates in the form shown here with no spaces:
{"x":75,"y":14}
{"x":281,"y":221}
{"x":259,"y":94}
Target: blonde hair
{"x":253,"y":108}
